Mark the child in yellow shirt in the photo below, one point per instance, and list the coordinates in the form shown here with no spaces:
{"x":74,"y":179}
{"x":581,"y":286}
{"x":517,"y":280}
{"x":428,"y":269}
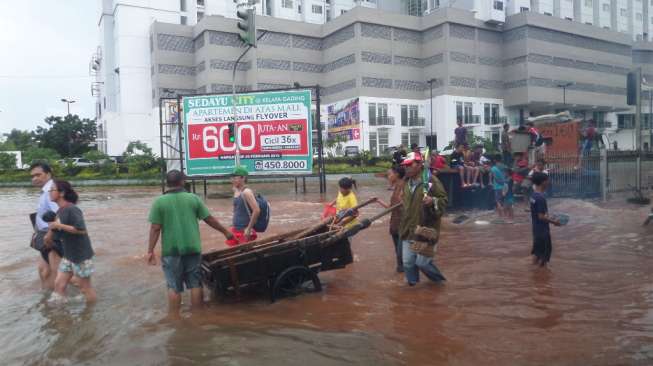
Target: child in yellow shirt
{"x":346,"y":199}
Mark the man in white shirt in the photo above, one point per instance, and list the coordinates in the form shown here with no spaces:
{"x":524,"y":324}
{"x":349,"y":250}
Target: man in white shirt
{"x":41,"y":174}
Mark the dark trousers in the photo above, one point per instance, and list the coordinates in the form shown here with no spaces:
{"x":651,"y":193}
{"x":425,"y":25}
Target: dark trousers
{"x":398,"y":250}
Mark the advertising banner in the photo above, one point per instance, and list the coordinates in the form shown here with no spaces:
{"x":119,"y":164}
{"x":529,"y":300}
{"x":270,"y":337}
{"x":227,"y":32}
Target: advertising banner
{"x":344,"y":120}
{"x":273,"y":131}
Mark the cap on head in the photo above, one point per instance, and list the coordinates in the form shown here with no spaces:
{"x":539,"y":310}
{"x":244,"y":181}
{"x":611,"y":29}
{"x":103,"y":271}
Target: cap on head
{"x":412,"y":157}
{"x":240,"y":171}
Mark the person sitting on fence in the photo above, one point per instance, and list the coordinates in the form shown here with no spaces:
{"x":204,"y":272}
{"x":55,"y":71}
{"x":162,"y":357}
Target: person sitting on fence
{"x":506,"y":148}
{"x":537,"y":141}
{"x":587,"y":138}
{"x":438,"y":162}
{"x":457,"y":161}
{"x":472,"y":166}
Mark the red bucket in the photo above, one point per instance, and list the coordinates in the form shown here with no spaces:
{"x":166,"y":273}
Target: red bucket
{"x":329,"y":210}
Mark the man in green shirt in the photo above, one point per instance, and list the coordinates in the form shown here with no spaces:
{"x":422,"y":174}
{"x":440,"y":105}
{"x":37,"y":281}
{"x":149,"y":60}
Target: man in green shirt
{"x":176,"y":214}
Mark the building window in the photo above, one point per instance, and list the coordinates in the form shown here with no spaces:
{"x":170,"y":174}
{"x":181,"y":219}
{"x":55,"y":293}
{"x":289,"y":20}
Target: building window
{"x":588,"y":3}
{"x":491,"y":114}
{"x":486,"y":113}
{"x":382,"y":114}
{"x":404,"y":116}
{"x":625,"y":121}
{"x":498,"y":5}
{"x":200,"y":2}
{"x":371,"y":109}
{"x":464,"y":113}
{"x":373,"y":147}
{"x":549,"y":14}
{"x":434,"y":4}
{"x":495,"y":114}
{"x":299,"y":8}
{"x":286,"y":4}
{"x":200,"y":15}
{"x":523,"y":9}
{"x":328,"y":16}
{"x":317,"y":9}
{"x":342,"y":11}
{"x":383,"y":141}
{"x":184,"y":20}
{"x":623,"y":12}
{"x":414,"y":137}
{"x":182,"y":5}
{"x":606,"y":7}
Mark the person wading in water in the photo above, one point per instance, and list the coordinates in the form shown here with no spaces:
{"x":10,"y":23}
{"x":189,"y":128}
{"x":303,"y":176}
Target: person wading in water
{"x":176,"y":214}
{"x":246,"y":209}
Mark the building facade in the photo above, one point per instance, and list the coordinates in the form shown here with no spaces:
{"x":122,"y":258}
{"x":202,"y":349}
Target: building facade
{"x":502,"y":68}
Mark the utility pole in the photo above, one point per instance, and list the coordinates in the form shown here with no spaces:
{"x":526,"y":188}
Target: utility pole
{"x":430,"y":82}
{"x":564,"y":92}
{"x":638,"y":128}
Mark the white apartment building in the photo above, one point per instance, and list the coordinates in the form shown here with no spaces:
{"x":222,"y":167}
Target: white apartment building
{"x":124,"y":68}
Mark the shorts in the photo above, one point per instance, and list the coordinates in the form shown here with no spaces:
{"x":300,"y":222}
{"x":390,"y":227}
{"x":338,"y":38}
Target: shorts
{"x":182,"y":270}
{"x":542,"y":248}
{"x":239,"y":237}
{"x":39,"y":244}
{"x":457,"y":165}
{"x":498,"y":196}
{"x":81,"y":270}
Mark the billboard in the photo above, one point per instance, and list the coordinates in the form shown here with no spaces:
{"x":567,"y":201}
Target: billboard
{"x":273,"y":131}
{"x":344,"y":120}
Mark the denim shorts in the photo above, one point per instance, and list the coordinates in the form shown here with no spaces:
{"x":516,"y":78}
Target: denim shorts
{"x":82,"y":270}
{"x":182,"y":271}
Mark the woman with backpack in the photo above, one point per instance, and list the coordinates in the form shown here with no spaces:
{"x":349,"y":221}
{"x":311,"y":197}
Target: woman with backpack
{"x":246,"y":209}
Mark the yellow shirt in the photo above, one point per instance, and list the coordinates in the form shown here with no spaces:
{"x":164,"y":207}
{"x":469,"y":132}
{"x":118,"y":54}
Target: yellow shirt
{"x":346,"y":202}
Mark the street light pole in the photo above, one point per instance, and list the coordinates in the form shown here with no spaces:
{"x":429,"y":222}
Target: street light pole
{"x":564,"y":91}
{"x":68,"y":103}
{"x":430,"y":82}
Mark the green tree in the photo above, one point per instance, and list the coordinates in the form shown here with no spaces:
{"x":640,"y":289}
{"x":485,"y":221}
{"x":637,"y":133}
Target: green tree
{"x":38,"y":153}
{"x":139,"y":157}
{"x":474,"y":140}
{"x":101,"y":162}
{"x":70,"y":136}
{"x":18,"y":140}
{"x":7,"y":161}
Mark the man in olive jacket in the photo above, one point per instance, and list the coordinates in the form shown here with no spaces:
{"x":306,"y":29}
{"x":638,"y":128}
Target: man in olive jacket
{"x":423,"y":205}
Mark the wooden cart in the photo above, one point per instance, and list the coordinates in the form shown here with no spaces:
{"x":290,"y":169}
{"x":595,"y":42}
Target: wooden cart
{"x":287,"y":264}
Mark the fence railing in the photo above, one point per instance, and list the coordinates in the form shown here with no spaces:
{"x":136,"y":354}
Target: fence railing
{"x":577,"y":176}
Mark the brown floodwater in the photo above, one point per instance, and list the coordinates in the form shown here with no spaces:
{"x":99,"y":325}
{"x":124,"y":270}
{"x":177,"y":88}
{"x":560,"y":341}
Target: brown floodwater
{"x":593,"y":306}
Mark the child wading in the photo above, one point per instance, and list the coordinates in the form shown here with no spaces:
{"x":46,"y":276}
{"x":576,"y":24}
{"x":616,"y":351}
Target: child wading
{"x":70,"y":228}
{"x":542,"y":246}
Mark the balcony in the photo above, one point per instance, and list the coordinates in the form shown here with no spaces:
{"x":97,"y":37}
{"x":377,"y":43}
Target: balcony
{"x":472,"y":120}
{"x":382,"y":121}
{"x":416,"y":122}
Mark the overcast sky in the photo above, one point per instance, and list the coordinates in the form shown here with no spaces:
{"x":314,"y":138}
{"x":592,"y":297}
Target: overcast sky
{"x":45,"y":48}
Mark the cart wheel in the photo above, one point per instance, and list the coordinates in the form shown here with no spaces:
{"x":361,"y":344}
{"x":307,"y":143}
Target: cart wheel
{"x":294,"y":281}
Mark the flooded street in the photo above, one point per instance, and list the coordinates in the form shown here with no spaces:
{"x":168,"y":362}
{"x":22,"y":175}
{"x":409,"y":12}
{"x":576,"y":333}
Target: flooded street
{"x":594,"y":306}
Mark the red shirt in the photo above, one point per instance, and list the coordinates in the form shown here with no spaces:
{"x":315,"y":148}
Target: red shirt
{"x":439,"y":162}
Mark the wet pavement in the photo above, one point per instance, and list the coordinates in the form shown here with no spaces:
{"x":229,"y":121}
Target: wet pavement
{"x":592,"y":306}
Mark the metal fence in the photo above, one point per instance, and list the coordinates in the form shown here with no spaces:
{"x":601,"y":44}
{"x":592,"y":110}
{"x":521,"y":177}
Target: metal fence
{"x":622,"y":171}
{"x":582,"y":177}
{"x":571,"y":176}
